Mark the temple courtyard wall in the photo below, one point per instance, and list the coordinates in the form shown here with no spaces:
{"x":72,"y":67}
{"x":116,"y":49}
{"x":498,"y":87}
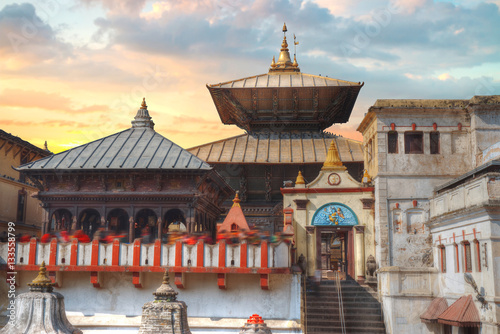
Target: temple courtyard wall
{"x":117,"y":305}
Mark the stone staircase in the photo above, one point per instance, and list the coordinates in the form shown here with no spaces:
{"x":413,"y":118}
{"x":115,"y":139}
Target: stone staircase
{"x":362,"y":311}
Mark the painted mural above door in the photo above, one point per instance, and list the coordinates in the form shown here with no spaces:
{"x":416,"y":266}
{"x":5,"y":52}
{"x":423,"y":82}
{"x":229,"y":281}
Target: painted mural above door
{"x":333,"y":214}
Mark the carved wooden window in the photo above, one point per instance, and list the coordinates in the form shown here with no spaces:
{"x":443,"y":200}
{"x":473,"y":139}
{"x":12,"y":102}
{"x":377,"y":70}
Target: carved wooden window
{"x":414,"y":142}
{"x":392,"y":142}
{"x":442,"y":258}
{"x":434,"y":142}
{"x":467,"y":257}
{"x":478,"y":254}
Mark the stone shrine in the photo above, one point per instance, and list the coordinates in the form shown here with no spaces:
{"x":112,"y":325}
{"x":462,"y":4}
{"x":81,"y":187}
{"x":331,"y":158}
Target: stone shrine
{"x":41,"y":310}
{"x":165,"y":314}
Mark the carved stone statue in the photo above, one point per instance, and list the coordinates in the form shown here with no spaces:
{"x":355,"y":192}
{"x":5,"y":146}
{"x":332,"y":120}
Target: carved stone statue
{"x":371,"y":266}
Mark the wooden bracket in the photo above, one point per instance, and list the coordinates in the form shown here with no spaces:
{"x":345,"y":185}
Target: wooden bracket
{"x":96,"y":279}
{"x":137,"y":279}
{"x":221,"y":280}
{"x":179,"y":280}
{"x":56,"y":278}
{"x":264,"y":281}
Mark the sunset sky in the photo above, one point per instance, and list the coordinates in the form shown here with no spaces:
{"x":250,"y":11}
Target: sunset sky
{"x":72,"y":71}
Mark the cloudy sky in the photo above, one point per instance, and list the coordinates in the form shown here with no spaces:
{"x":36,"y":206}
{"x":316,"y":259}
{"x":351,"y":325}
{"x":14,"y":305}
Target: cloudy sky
{"x":76,"y":70}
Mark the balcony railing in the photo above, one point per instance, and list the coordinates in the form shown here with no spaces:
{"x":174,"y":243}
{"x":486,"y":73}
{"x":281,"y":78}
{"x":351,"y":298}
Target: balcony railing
{"x":264,"y":258}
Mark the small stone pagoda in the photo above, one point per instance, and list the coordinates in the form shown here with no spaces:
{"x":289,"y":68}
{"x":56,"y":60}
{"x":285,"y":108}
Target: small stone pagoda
{"x":41,"y":310}
{"x":164,"y":315}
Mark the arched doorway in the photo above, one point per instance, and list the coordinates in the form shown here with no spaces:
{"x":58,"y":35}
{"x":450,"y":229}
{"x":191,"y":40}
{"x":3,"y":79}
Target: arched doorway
{"x":175,"y":221}
{"x":118,"y":221}
{"x":146,"y":222}
{"x":61,"y":220}
{"x":334,"y":224}
{"x":89,"y":221}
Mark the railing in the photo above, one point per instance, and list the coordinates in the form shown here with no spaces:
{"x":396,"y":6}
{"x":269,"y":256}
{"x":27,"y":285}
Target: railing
{"x":341,"y":303}
{"x":264,"y":258}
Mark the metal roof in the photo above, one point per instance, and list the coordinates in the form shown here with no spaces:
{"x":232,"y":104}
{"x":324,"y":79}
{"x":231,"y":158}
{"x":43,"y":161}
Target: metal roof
{"x":135,"y":148}
{"x":23,"y":143}
{"x":290,"y":79}
{"x":276,"y":148}
{"x":462,"y":313}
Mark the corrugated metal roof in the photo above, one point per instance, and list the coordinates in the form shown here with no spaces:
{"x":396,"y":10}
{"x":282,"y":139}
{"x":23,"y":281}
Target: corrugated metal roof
{"x":303,"y":147}
{"x":462,"y":313}
{"x":290,"y":79}
{"x":135,"y":148}
{"x":435,"y":309}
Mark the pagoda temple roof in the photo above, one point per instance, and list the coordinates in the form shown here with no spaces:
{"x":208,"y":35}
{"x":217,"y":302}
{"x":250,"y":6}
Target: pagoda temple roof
{"x":278,"y":148}
{"x":139,"y":147}
{"x":285,"y":79}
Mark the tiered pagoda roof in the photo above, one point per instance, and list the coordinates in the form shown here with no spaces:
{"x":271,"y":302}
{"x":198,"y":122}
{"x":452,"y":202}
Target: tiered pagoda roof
{"x":284,"y":99}
{"x":139,"y":147}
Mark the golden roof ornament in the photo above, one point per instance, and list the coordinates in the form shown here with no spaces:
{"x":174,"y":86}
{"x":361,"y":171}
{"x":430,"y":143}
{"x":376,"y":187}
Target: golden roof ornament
{"x":143,"y":104}
{"x":300,"y":179}
{"x":284,"y":63}
{"x":332,"y":158}
{"x":42,"y":282}
{"x":236,"y":200}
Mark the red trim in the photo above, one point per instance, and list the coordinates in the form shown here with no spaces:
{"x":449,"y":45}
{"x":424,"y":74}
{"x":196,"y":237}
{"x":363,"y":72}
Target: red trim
{"x":157,"y":253}
{"x":263,"y":255}
{"x":457,"y":264}
{"x":222,"y":254}
{"x":325,"y":190}
{"x":53,"y":252}
{"x":136,"y":277}
{"x":115,"y":255}
{"x":221,"y":280}
{"x":226,"y":270}
{"x":478,"y":254}
{"x":200,"y":253}
{"x":179,"y":280}
{"x":32,"y":253}
{"x":243,"y":255}
{"x":136,"y":256}
{"x":178,"y":254}
{"x":94,"y":260}
{"x":94,"y":279}
{"x":73,"y":252}
{"x":264,"y":281}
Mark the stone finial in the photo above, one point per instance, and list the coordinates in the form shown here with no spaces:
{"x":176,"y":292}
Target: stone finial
{"x":165,"y":291}
{"x":42,"y":283}
{"x":46,"y":147}
{"x":300,"y":179}
{"x":142,"y":118}
{"x":332,"y":158}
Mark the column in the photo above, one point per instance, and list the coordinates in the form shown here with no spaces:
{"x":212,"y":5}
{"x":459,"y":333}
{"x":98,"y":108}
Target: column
{"x":359,"y":253}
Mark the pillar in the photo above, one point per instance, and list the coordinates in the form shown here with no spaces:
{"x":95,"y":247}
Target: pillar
{"x":131,"y":229}
{"x":359,"y":245}
{"x":160,"y":228}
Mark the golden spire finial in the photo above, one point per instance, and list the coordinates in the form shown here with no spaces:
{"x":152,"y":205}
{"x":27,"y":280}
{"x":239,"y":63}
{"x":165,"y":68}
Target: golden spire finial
{"x":143,"y":104}
{"x":300,"y":179}
{"x":236,"y":200}
{"x":332,"y":157}
{"x":295,"y":64}
{"x":41,"y":282}
{"x":284,"y":27}
{"x":273,"y":64}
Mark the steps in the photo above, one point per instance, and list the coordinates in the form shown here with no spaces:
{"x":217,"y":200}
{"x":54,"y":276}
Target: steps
{"x":362,"y":311}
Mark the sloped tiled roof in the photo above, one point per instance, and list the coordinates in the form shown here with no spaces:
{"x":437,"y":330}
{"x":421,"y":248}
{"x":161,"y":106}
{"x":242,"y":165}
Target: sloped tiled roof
{"x":462,"y":313}
{"x":435,"y":309}
{"x":135,"y":148}
{"x":301,"y":147}
{"x":284,"y":80}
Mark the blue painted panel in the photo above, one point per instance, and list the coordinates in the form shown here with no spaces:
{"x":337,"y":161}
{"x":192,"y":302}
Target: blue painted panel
{"x":332,"y":214}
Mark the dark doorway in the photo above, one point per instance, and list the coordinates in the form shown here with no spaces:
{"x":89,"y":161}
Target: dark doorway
{"x":118,"y":221}
{"x":89,"y":222}
{"x":334,"y":251}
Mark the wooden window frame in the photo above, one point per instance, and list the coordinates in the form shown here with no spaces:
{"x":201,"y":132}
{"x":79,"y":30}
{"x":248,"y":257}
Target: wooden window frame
{"x":392,"y":136}
{"x":467,"y":255}
{"x":408,"y":146}
{"x":457,"y":258}
{"x":442,"y":258}
{"x":437,"y":148}
{"x":478,"y":255}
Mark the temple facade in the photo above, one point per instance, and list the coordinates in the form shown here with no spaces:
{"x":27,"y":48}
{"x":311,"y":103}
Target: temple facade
{"x":131,"y":182}
{"x":284,"y":113}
